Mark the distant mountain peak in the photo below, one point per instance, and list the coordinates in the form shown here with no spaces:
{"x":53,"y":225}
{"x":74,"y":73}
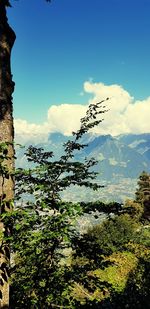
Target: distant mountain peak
{"x":57,"y":137}
{"x":121,"y":159}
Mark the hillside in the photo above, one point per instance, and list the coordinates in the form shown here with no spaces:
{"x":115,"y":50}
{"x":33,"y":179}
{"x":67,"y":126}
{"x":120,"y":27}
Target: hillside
{"x":120,"y":161}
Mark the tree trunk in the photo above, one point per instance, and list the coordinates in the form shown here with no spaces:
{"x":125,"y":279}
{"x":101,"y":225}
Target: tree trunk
{"x":7,"y":38}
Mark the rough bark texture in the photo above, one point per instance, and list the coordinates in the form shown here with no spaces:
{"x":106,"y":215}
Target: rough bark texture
{"x":7,"y":38}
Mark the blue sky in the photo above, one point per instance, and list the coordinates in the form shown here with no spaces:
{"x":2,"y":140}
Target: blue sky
{"x":61,"y":45}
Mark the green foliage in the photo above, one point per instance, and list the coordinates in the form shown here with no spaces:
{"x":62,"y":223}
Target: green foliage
{"x":52,"y":264}
{"x":52,"y":177}
{"x":143,"y":194}
{"x":106,"y":238}
{"x":107,"y":208}
{"x":111,"y":264}
{"x":5,"y":206}
{"x":116,"y":274}
{"x":43,"y":227}
{"x":134,"y":209}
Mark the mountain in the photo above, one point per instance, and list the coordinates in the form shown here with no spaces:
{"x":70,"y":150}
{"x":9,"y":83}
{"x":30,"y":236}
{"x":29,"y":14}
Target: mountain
{"x":139,"y":142}
{"x":55,"y":143}
{"x":121,"y":159}
{"x":116,"y":158}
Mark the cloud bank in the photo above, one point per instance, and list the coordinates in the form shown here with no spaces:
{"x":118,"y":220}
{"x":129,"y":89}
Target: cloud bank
{"x":125,"y":115}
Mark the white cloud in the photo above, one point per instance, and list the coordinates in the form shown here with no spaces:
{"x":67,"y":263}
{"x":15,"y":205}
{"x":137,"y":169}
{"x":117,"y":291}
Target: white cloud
{"x":26,"y":132}
{"x":119,"y":97}
{"x":125,"y":115}
{"x":65,"y":118}
{"x":137,"y":116}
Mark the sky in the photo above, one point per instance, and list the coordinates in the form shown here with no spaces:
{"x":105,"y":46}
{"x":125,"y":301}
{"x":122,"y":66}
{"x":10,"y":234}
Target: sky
{"x":73,"y":52}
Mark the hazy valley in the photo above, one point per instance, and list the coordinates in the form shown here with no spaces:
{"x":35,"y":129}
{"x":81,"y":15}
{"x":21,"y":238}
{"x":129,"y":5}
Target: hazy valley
{"x":121,"y":159}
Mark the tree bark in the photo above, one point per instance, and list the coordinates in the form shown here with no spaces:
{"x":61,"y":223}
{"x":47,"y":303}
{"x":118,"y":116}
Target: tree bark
{"x":7,"y":39}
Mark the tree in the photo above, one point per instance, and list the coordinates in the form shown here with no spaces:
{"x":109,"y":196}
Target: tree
{"x":110,"y":261}
{"x":43,"y":227}
{"x":143,"y":194}
{"x":100,"y":262}
{"x":7,"y":39}
{"x":110,"y":265}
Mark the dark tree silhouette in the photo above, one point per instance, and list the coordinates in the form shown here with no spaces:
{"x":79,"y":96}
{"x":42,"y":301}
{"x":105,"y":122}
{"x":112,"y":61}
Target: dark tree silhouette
{"x":143,"y":194}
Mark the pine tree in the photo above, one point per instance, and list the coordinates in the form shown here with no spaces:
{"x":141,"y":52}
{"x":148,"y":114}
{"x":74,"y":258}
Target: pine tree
{"x":143,"y":193}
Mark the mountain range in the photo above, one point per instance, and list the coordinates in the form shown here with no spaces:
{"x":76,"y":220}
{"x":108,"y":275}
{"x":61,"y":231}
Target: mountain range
{"x":121,"y":159}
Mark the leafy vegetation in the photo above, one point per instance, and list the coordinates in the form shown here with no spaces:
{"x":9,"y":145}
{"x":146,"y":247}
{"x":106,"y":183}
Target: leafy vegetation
{"x":53,"y":263}
{"x":143,"y":194}
{"x":44,"y":226}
